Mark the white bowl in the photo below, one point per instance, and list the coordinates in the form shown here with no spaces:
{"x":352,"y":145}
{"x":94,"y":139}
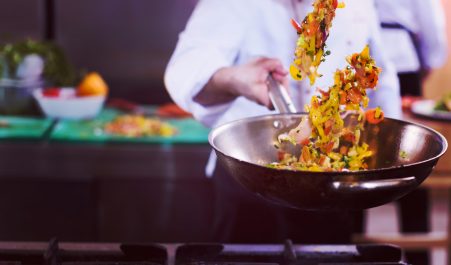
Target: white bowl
{"x":68,"y":106}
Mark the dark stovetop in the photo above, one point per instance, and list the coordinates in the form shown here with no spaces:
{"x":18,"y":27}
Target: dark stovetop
{"x":54,"y":253}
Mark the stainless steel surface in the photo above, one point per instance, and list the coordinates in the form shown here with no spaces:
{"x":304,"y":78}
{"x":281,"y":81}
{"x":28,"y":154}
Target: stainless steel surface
{"x":279,"y":96}
{"x":358,"y":186}
{"x":245,"y":146}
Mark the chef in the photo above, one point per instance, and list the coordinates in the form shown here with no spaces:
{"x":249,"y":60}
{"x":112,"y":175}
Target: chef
{"x":415,"y":37}
{"x":218,"y":72}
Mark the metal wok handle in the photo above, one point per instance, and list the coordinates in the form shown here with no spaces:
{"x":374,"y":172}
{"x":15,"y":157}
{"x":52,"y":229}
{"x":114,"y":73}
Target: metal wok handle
{"x":279,"y":96}
{"x":383,"y":184}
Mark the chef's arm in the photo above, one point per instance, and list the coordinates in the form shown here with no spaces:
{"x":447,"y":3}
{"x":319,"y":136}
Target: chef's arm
{"x":210,"y":42}
{"x":217,"y":90}
{"x":248,"y":80}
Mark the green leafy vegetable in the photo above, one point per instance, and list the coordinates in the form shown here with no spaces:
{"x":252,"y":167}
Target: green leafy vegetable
{"x":444,"y":104}
{"x":57,"y":70}
{"x":403,"y":154}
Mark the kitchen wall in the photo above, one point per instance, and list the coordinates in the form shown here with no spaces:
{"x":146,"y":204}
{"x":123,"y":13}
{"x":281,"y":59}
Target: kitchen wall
{"x":130,"y":42}
{"x":21,"y":18}
{"x":439,"y":82}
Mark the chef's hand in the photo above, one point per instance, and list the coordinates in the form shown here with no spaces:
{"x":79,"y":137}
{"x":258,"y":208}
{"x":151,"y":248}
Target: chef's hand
{"x":248,"y":80}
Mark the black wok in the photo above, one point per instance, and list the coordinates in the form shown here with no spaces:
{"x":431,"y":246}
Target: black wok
{"x":404,"y":155}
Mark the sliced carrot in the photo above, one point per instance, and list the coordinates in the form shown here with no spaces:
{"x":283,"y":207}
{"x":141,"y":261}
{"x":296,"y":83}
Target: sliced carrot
{"x":305,"y":155}
{"x":343,"y":97}
{"x":296,"y":26}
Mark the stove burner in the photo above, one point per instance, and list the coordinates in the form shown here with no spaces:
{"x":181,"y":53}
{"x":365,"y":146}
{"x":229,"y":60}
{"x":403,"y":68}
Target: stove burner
{"x":288,"y":254}
{"x":128,"y":254}
{"x":201,"y":254}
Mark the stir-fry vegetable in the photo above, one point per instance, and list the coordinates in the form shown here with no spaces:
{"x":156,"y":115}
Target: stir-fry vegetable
{"x":138,"y":125}
{"x":374,"y":116}
{"x":326,"y":144}
{"x":313,"y":33}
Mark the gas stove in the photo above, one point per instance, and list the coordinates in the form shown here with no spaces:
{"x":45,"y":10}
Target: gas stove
{"x":54,"y":253}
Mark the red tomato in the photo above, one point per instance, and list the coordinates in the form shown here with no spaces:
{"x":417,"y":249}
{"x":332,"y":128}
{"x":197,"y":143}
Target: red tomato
{"x":306,"y":141}
{"x":354,"y":96}
{"x":51,"y":92}
{"x":349,"y":137}
{"x":407,"y":101}
{"x":328,"y":147}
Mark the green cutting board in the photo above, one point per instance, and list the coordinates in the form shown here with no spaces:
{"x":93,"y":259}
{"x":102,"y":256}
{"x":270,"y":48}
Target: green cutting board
{"x":189,"y":131}
{"x":23,"y":127}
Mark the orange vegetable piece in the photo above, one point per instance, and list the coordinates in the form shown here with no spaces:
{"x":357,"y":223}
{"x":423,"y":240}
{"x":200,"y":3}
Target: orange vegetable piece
{"x":374,"y":116}
{"x":92,"y":85}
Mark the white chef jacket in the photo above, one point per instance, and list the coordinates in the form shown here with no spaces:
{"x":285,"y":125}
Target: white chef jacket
{"x":423,"y":18}
{"x":222,"y":33}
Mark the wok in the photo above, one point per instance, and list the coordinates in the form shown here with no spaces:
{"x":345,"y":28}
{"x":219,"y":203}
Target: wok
{"x":245,"y":146}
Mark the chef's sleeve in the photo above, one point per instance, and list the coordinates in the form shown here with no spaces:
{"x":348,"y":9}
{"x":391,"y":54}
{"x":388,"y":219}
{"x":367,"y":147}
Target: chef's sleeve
{"x":210,"y":41}
{"x":431,"y":32}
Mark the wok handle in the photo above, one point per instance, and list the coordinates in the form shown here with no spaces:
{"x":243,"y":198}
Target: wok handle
{"x":362,"y":186}
{"x":279,"y":96}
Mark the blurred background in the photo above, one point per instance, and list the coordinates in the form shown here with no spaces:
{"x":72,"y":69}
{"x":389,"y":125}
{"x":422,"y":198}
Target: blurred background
{"x":440,"y":80}
{"x":70,"y":181}
{"x":129,"y":42}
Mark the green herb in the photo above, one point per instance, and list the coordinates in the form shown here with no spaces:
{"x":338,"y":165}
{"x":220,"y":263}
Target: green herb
{"x":271,"y":165}
{"x":346,"y":160}
{"x":403,"y":154}
{"x":441,"y":104}
{"x":57,"y":70}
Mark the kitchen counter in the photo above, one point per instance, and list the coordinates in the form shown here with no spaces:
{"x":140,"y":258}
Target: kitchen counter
{"x":79,"y":161}
{"x":104,"y":192}
{"x":64,"y":179}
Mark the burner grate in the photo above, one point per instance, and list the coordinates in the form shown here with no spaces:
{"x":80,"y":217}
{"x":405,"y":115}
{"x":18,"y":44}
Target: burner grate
{"x":127,"y":254}
{"x":287,"y":254}
{"x":200,"y":254}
